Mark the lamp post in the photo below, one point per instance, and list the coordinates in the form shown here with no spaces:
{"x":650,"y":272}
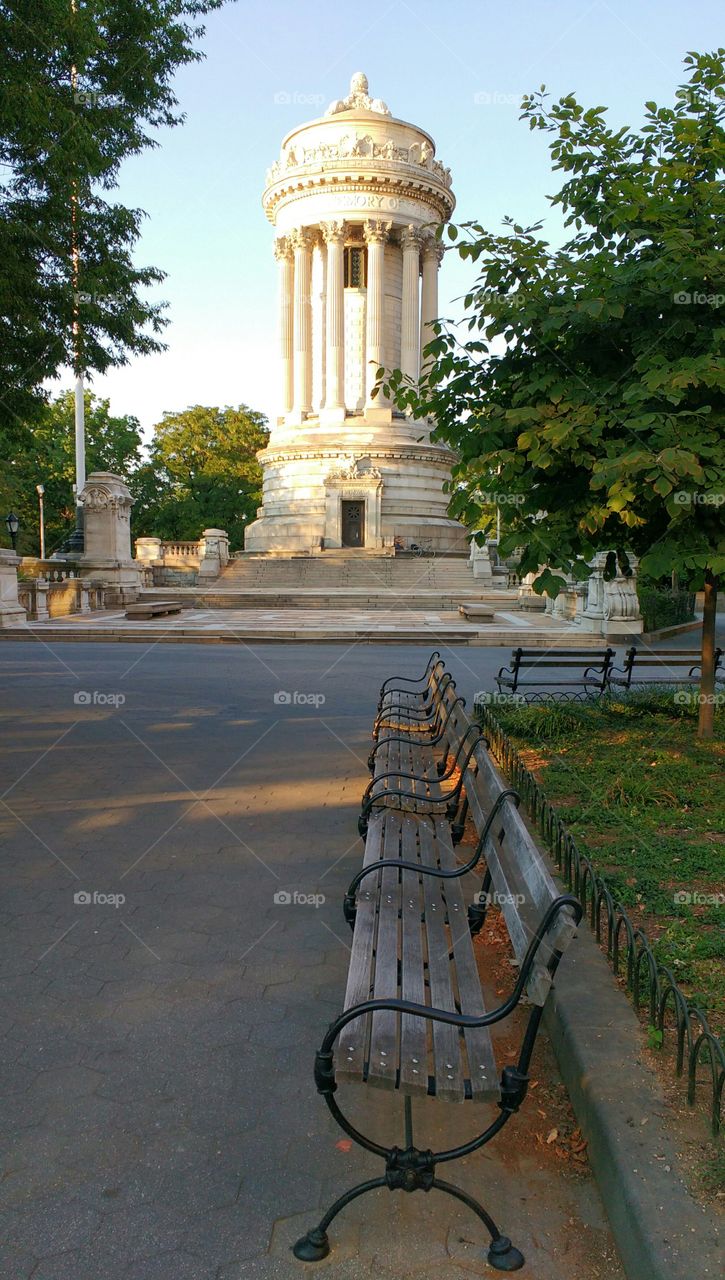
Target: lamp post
{"x":13,"y":524}
{"x":40,"y":490}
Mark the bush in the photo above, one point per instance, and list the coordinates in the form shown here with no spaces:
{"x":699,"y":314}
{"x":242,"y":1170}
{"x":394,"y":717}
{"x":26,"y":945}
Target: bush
{"x":663,"y":608}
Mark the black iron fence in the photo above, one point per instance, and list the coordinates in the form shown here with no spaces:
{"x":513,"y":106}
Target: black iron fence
{"x":653,"y":986}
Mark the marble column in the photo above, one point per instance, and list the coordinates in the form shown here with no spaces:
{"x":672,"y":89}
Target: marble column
{"x":432,"y":257}
{"x":302,"y":241}
{"x":284,"y":254}
{"x":376,"y":233}
{"x":410,"y":317}
{"x":334,"y":237}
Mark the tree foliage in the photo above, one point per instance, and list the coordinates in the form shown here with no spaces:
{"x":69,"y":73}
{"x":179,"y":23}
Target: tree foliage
{"x":113,"y":443}
{"x":84,"y":86}
{"x":603,"y":415}
{"x":202,"y":473}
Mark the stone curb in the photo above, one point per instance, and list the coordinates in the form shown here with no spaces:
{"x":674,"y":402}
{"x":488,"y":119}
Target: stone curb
{"x":659,"y":1229}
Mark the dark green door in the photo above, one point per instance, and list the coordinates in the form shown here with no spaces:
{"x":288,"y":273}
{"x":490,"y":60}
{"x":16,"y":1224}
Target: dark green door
{"x":353,"y":524}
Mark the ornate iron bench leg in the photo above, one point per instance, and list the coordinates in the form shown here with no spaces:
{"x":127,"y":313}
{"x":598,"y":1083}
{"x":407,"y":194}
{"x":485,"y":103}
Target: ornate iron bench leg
{"x":315,"y":1245}
{"x":501,"y":1254}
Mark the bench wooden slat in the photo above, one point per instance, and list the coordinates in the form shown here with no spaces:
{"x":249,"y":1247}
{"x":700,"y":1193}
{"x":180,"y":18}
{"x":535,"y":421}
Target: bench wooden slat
{"x":414,"y":1034}
{"x":482,"y":1069}
{"x":383,"y":1063}
{"x":351,"y":1053}
{"x":448,"y":1071}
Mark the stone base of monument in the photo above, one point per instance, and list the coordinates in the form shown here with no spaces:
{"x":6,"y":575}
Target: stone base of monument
{"x":11,"y":611}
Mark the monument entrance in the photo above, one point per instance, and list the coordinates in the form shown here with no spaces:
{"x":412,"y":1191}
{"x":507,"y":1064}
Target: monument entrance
{"x":353,"y":524}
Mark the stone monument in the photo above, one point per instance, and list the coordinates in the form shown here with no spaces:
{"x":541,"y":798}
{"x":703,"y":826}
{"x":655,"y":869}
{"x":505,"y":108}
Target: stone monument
{"x":355,"y":198}
{"x":107,"y":503}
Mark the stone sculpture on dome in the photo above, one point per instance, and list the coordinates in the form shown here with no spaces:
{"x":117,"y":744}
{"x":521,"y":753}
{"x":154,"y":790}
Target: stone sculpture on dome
{"x":358,"y":99}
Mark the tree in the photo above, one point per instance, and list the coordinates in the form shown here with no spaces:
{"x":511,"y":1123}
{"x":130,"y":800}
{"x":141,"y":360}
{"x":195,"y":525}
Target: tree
{"x":84,"y":82}
{"x":600,"y":423}
{"x":113,"y":443}
{"x":202,"y":473}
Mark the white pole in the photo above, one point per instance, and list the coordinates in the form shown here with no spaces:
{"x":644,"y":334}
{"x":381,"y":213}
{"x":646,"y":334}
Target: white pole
{"x":80,"y":422}
{"x":42,"y":521}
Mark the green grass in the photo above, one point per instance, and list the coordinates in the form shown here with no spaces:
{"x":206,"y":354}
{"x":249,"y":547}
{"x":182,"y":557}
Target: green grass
{"x":646,"y":800}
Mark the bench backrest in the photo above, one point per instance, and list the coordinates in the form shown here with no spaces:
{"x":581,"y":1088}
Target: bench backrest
{"x":520,"y":877}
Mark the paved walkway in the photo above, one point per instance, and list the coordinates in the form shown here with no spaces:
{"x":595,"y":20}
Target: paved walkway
{"x":159,"y":1110}
{"x":301,"y":623}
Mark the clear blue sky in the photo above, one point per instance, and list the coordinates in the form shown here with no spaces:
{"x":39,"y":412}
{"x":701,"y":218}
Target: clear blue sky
{"x":429,"y":61}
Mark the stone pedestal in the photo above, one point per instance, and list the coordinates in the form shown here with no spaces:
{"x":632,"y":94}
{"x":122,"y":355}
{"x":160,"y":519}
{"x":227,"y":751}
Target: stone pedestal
{"x":481,"y":563}
{"x":107,"y":556}
{"x":214,"y":551}
{"x":612,"y":608}
{"x":148,"y":550}
{"x":11,"y":611}
{"x":527,"y":597}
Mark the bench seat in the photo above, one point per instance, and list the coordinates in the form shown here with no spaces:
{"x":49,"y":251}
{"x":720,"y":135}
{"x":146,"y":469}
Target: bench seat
{"x":152,"y":608}
{"x":412,"y":941}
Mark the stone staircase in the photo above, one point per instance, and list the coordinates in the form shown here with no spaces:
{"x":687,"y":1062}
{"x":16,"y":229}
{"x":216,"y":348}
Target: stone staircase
{"x":343,"y":580}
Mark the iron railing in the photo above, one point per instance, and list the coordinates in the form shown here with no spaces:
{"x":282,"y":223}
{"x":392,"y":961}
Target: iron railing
{"x":651,"y":984}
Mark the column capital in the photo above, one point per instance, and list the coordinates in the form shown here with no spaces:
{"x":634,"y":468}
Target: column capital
{"x":283,"y":251}
{"x":333,"y":232}
{"x":376,"y":231}
{"x":302,"y":237}
{"x":433,"y":247}
{"x":410,"y":238}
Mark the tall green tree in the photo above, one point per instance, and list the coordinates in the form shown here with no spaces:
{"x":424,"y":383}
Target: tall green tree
{"x":85,"y":82}
{"x":113,"y":443}
{"x":603,"y":414}
{"x":202,"y":473}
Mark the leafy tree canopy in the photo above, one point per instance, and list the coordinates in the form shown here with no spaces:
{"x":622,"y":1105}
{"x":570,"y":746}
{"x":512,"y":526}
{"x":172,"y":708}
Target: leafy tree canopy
{"x":48,"y":457}
{"x":202,"y":473}
{"x":84,"y":86}
{"x":605,"y":409}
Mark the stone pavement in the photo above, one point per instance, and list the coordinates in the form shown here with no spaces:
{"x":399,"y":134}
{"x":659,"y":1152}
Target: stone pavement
{"x":161,"y":1004}
{"x":399,"y":622}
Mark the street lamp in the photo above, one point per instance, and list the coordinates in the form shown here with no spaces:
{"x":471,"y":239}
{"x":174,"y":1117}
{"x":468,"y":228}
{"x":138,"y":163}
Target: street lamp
{"x":40,"y":490}
{"x":13,"y":524}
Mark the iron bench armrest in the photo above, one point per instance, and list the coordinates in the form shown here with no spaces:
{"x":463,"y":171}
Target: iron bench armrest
{"x":461,"y":1020}
{"x":349,"y":908}
{"x":422,"y":712}
{"x":434,"y":661}
{"x":416,"y":777}
{"x":427,"y":742}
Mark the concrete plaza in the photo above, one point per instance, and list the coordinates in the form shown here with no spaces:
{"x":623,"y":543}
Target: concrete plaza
{"x":161,"y":1003}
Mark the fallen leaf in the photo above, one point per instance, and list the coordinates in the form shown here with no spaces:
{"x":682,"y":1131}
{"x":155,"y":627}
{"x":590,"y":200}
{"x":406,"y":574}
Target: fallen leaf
{"x":552,"y":1136}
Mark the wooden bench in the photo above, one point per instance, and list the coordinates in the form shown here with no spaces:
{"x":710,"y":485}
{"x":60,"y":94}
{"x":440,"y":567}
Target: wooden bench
{"x":407,"y":775}
{"x":414,"y":1019}
{"x":152,"y":609}
{"x":592,"y":665}
{"x":666,"y":664}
